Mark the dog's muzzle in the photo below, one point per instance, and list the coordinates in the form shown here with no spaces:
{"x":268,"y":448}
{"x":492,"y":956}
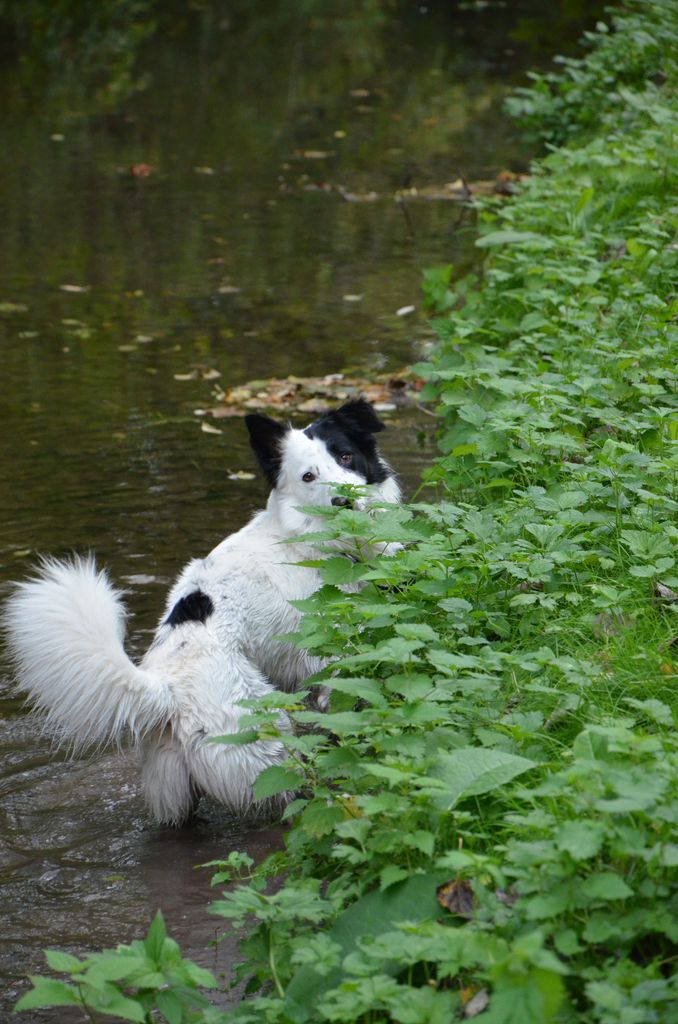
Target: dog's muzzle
{"x":340,"y":502}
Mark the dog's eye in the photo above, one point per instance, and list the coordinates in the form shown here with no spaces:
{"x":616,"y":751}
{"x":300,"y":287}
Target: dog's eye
{"x":346,"y":459}
{"x":308,"y":478}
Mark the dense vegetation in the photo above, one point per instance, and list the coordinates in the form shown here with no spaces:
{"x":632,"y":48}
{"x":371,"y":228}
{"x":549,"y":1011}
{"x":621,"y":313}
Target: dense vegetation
{"x":485,"y":819}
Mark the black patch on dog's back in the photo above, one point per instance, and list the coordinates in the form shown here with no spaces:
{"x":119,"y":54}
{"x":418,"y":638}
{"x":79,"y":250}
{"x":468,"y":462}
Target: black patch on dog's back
{"x":351,"y":429}
{"x":195,"y":607}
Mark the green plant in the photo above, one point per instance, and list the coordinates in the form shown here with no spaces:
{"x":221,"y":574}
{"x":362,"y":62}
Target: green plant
{"x":130,"y":982}
{"x":626,"y":57}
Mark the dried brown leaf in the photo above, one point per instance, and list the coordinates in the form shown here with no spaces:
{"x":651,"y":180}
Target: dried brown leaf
{"x":479,"y":1002}
{"x":664,"y":593}
{"x":457,"y":897}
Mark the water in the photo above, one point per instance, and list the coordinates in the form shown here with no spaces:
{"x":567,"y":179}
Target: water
{"x":234,"y":250}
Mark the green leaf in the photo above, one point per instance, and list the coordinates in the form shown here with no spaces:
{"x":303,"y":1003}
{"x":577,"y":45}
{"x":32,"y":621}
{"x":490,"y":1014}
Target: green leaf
{"x":170,"y":1006}
{"x":396,"y":649}
{"x":654,"y":709}
{"x":339,"y":570}
{"x":63,"y":962}
{"x":155,"y":940}
{"x":584,"y":199}
{"x":416,"y":631}
{"x":470,"y":771}
{"x":474,"y":414}
{"x":48,"y":992}
{"x":372,"y":915}
{"x":237,"y":738}
{"x":274,"y":780}
{"x":581,"y":839}
{"x":606,"y":885}
{"x":390,"y":875}
{"x":319,"y":818}
{"x":116,"y":1004}
{"x":362,"y":687}
{"x":115,"y":966}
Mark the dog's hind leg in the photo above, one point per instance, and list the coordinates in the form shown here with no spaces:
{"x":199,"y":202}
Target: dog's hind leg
{"x":170,"y":793}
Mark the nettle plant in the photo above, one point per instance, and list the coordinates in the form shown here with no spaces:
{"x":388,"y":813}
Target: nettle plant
{"x":543,"y":889}
{"x":626,"y":56}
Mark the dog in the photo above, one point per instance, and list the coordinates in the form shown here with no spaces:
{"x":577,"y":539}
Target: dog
{"x":218,"y":642}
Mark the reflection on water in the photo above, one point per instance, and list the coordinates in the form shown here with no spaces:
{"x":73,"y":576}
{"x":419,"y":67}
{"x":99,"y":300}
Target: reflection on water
{"x":226,"y":254}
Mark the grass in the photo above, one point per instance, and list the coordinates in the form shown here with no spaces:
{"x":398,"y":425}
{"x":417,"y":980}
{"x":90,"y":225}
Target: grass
{"x":485,"y":818}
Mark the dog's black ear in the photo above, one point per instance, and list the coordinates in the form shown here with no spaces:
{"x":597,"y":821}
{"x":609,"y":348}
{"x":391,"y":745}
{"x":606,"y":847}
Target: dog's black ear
{"x":359,"y":416}
{"x":265,"y":438}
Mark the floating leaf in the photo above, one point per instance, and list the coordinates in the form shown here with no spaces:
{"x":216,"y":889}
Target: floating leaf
{"x":13,"y":307}
{"x":141,"y":170}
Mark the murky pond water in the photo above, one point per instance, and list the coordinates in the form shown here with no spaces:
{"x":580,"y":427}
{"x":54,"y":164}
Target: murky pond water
{"x":229,"y":252}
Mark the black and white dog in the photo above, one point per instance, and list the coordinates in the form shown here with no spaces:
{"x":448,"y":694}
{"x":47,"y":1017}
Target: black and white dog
{"x":217,"y":642}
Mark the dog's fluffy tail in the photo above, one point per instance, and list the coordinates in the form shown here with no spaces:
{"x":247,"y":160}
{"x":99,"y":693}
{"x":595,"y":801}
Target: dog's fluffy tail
{"x":66,"y":628}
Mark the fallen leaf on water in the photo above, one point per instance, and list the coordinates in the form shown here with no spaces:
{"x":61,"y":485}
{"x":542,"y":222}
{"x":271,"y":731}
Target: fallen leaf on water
{"x":220,"y":412}
{"x":316,"y":394}
{"x":141,"y":170}
{"x":228,"y":289}
{"x":405,"y":310}
{"x":458,"y":190}
{"x":76,"y":288}
{"x":353,"y":298}
{"x":13,"y":307}
{"x":358,"y":197}
{"x":457,"y":897}
{"x":241,"y":474}
{"x":315,"y":406}
{"x":208,"y":429}
{"x":199,"y":373}
{"x":204,"y":170}
{"x":314,"y":154}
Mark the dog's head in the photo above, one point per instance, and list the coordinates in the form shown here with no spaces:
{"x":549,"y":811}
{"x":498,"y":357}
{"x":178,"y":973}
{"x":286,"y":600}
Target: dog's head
{"x":338,"y":448}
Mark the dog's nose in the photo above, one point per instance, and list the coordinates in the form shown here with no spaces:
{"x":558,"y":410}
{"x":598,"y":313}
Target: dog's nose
{"x":340,"y":502}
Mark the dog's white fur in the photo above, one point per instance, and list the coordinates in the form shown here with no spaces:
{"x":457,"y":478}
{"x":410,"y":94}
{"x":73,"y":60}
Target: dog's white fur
{"x":66,"y":630}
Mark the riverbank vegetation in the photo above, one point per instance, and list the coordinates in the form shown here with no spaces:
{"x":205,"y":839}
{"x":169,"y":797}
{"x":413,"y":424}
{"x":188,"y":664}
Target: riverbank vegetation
{"x":484,"y":821}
